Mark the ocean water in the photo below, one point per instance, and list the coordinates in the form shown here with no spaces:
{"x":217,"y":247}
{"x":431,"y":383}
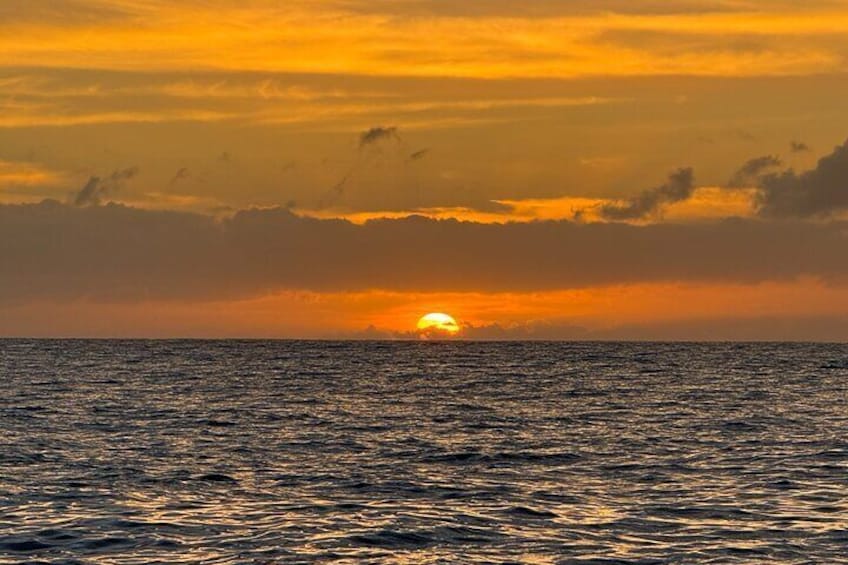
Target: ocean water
{"x":265,"y":452}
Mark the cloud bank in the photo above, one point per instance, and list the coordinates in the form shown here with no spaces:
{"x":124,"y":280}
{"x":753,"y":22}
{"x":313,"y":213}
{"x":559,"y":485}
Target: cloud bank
{"x":56,"y":251}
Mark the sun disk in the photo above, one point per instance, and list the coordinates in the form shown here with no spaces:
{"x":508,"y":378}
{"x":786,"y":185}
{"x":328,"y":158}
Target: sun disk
{"x":436,"y":323}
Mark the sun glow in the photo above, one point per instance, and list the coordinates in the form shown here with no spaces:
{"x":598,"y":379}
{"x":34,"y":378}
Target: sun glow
{"x":437,"y":324}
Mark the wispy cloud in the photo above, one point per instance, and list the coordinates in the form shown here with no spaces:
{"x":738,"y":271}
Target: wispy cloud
{"x":377,"y":134}
{"x":680,"y":186}
{"x":748,"y":173}
{"x":98,"y":188}
{"x":491,"y":40}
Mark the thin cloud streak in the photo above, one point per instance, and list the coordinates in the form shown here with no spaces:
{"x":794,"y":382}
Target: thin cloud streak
{"x":680,"y":187}
{"x":307,"y":37}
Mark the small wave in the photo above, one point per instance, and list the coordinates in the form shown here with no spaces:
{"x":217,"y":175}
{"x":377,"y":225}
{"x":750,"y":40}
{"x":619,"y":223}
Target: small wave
{"x":104,"y":543}
{"x":503,"y":457}
{"x":217,"y":478}
{"x":740,"y":426}
{"x":57,"y":535}
{"x":24,"y":546}
{"x":220,"y":423}
{"x":390,"y":539}
{"x":532,"y":513}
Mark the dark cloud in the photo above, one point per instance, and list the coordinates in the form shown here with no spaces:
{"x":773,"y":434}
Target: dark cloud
{"x":798,"y":146}
{"x":335,"y":194}
{"x":97,"y":188}
{"x":376,"y":134}
{"x":114,"y":252}
{"x":748,"y":173}
{"x":180,"y":175}
{"x":818,"y":192}
{"x":417,"y":155}
{"x":679,"y":187}
{"x":366,"y":138}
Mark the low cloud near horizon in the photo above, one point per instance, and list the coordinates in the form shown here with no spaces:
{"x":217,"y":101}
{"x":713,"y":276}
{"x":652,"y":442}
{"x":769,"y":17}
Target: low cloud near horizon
{"x":783,"y":328}
{"x":118,"y":253}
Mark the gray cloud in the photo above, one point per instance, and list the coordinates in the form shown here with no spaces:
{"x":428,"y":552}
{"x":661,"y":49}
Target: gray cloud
{"x":114,"y":252}
{"x":679,"y":187}
{"x":418,"y":155}
{"x":748,"y":173}
{"x":97,"y":188}
{"x":376,"y":134}
{"x":818,"y":192}
{"x":180,"y":175}
{"x":368,"y":137}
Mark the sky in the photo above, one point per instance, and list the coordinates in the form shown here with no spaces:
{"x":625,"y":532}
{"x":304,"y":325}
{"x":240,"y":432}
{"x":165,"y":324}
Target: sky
{"x":544,"y":169}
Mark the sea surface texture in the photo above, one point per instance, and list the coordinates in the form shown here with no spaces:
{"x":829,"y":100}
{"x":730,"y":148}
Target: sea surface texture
{"x":285,"y":452}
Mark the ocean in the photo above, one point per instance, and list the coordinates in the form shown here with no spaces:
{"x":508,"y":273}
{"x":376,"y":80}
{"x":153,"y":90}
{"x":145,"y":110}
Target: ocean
{"x":265,"y":452}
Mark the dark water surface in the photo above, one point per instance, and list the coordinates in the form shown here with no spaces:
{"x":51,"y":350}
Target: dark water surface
{"x":277,"y":452}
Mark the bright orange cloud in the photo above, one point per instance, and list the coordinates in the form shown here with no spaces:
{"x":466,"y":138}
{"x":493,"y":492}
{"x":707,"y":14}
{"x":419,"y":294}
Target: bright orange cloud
{"x":324,"y":36}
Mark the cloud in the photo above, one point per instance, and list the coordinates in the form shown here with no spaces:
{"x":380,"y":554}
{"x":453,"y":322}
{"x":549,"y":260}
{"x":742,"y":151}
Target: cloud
{"x":798,"y":146}
{"x":751,"y":170}
{"x":24,"y":174}
{"x":61,"y":12}
{"x":535,"y":9}
{"x":679,"y":187}
{"x":114,"y":252}
{"x":821,"y":191}
{"x":483,"y":38}
{"x":756,"y":328}
{"x":376,"y":134}
{"x":418,"y":155}
{"x":180,"y":175}
{"x":369,"y":137}
{"x":98,"y":188}
{"x":780,"y":328}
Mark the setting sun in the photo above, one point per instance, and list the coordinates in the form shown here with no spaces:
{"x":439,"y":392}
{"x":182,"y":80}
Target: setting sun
{"x":437,"y":323}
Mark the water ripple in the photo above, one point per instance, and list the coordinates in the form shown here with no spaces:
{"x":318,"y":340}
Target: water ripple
{"x":135,"y":452}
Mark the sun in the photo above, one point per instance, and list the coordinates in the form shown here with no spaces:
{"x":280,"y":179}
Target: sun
{"x":437,"y":324}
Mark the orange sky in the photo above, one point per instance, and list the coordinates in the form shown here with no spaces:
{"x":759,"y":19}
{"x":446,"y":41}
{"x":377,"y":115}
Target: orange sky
{"x":279,"y":147}
{"x":626,"y":312}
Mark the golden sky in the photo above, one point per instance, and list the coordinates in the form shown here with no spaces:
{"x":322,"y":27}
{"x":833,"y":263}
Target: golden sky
{"x":576,"y":168}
